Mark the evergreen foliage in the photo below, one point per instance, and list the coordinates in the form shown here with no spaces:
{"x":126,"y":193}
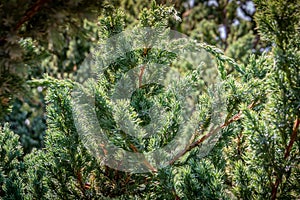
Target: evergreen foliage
{"x":256,"y":155}
{"x":11,"y":166}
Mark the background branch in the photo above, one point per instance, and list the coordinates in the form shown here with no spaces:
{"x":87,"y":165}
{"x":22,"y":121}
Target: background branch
{"x":31,"y":12}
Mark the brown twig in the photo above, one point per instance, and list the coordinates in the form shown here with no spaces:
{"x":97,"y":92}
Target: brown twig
{"x":175,"y":195}
{"x":209,"y":134}
{"x":293,"y":138}
{"x":187,"y":13}
{"x":239,"y":144}
{"x":286,"y":155}
{"x":141,"y":75}
{"x":145,"y":53}
{"x":103,"y":149}
{"x":82,"y":186}
{"x":145,"y":161}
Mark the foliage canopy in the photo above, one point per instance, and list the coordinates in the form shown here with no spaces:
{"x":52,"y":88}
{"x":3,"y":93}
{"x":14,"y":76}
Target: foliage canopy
{"x":256,"y":155}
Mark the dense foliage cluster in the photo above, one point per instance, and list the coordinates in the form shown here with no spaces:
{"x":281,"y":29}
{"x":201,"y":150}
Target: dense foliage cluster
{"x":48,"y":150}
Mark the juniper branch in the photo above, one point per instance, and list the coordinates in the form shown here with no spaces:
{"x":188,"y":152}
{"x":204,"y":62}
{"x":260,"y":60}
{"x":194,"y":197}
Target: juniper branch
{"x":286,"y":155}
{"x":209,"y":134}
